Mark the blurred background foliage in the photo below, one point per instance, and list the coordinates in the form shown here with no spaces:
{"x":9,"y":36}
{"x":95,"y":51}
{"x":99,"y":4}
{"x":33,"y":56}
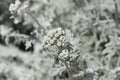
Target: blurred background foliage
{"x":93,"y":28}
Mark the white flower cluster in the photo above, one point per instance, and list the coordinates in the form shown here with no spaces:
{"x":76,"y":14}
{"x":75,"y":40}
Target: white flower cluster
{"x":64,"y":54}
{"x":13,"y":7}
{"x":55,"y":37}
{"x":17,"y":10}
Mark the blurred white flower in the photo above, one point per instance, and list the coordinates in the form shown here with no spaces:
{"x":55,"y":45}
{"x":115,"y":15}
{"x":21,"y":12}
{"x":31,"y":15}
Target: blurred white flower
{"x":13,"y":7}
{"x":17,"y":10}
{"x":4,"y":30}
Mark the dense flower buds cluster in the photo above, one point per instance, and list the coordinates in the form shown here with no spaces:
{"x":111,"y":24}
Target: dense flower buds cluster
{"x":64,"y":54}
{"x":14,"y":7}
{"x":55,"y":37}
{"x":17,"y":11}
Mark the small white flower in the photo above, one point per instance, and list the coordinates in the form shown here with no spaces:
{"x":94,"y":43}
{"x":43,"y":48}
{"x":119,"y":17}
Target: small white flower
{"x":59,"y":43}
{"x":54,"y":38}
{"x":51,"y":41}
{"x":57,"y":34}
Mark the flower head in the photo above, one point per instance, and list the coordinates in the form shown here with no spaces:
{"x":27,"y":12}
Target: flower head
{"x":55,"y":37}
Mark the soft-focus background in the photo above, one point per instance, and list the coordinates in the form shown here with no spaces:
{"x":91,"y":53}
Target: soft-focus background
{"x":92,"y":28}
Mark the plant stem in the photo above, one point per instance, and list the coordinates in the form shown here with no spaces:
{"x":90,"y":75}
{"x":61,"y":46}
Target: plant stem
{"x":34,"y":18}
{"x":66,"y":65}
{"x":116,"y":14}
{"x":68,"y":69}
